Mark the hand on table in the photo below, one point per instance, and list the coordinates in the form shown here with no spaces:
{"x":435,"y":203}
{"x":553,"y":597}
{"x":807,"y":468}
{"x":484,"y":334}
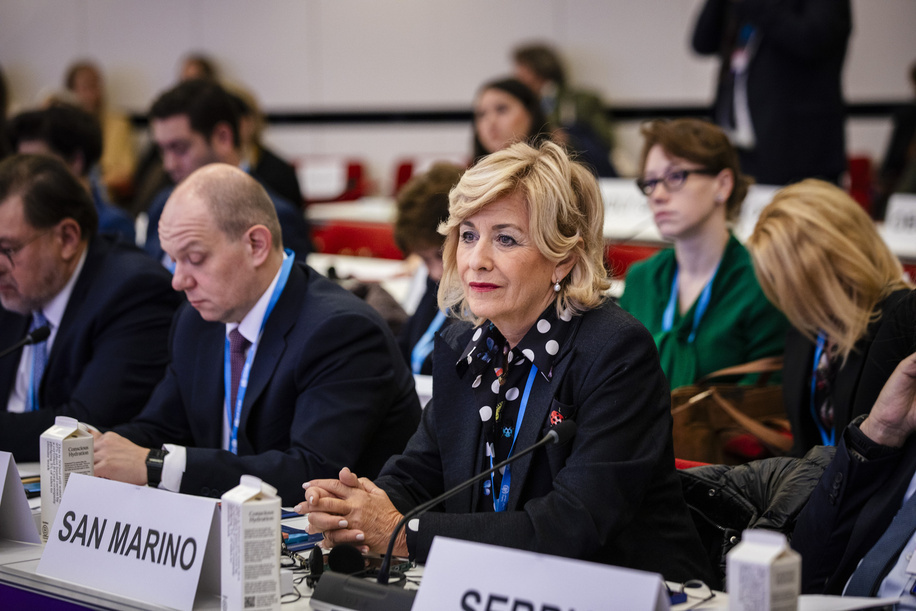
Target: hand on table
{"x":119,"y":459}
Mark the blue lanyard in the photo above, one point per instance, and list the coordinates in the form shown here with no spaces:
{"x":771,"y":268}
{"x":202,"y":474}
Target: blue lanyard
{"x":829,"y":439}
{"x":236,"y":414}
{"x":32,"y":398}
{"x":702,"y":305}
{"x":425,"y":344}
{"x":500,"y":502}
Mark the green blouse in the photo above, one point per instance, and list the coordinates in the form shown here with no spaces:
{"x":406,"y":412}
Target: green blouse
{"x":739,"y":325}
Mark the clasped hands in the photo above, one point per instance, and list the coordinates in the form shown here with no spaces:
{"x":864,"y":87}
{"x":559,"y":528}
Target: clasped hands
{"x":352,"y":510}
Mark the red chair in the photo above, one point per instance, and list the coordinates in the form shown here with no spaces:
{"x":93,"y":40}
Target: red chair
{"x":356,"y":239}
{"x":619,"y":257}
{"x":680,"y":463}
{"x":860,"y":185}
{"x":408,"y":167}
{"x":910,"y":270}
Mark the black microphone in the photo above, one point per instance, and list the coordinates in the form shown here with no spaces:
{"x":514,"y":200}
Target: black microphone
{"x":35,"y":337}
{"x":341,"y":592}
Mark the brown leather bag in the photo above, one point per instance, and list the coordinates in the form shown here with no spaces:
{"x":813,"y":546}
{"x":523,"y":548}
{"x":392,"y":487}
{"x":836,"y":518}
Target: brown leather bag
{"x":708,"y":416}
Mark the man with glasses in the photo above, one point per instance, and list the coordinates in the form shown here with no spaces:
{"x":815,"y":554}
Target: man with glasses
{"x":106,"y":306}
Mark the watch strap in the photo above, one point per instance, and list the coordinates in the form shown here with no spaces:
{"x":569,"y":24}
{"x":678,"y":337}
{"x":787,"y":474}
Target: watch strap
{"x":154,"y":462}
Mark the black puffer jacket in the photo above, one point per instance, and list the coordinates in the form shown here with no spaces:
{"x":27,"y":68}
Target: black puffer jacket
{"x":769,"y":494}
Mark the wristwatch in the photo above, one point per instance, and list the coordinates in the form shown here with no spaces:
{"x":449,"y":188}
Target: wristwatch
{"x":154,"y":462}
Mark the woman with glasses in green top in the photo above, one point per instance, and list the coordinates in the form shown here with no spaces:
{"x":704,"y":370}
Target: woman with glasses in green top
{"x":700,"y":299}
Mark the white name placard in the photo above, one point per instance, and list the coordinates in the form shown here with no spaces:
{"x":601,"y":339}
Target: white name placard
{"x":758,"y":198}
{"x":139,"y":542}
{"x":460,"y":575}
{"x":626,"y":211}
{"x":16,"y":522}
{"x":899,"y":230}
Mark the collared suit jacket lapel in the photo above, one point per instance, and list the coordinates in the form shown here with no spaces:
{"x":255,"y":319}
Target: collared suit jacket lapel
{"x":79,"y":302}
{"x":465,"y":444}
{"x":879,"y":510}
{"x":271,"y":348}
{"x":209,"y":387}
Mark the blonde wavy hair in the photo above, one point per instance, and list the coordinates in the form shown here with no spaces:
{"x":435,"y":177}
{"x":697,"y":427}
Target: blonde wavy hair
{"x":819,"y":259}
{"x":566,"y":217}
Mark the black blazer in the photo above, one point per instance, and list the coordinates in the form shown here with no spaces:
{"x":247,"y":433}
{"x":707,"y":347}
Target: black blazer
{"x":610,"y":495}
{"x":848,"y":512}
{"x":109,"y":353}
{"x":794,"y":83}
{"x":328,"y":389}
{"x":859,"y":381}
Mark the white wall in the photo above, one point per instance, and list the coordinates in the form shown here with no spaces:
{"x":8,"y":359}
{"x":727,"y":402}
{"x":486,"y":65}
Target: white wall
{"x":304,"y":55}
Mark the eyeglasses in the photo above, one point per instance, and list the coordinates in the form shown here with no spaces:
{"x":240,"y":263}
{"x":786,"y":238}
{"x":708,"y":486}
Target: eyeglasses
{"x":673,"y":180}
{"x":11,"y":251}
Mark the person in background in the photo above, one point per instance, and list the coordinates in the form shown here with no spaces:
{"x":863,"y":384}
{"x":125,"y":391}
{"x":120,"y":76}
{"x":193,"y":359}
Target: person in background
{"x":898,"y":170}
{"x":258,"y":159}
{"x":107,"y":305}
{"x":524,"y":261}
{"x":768,"y":49}
{"x":422,"y":205}
{"x":275,"y":371}
{"x":196,"y":66}
{"x":74,"y":136}
{"x":196,"y":123}
{"x":700,"y":300}
{"x":506,"y":111}
{"x":577,"y":118}
{"x":150,"y":178}
{"x":118,"y":159}
{"x":821,"y":261}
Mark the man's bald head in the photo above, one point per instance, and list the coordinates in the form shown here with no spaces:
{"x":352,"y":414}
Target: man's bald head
{"x":235,"y":200}
{"x":221,"y":230}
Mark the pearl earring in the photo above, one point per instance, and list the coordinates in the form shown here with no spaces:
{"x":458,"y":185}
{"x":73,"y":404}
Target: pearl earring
{"x":556,"y":287}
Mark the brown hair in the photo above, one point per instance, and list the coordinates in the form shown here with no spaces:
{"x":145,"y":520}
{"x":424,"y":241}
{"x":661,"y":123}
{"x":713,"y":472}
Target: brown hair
{"x":422,"y":205}
{"x":700,"y":142}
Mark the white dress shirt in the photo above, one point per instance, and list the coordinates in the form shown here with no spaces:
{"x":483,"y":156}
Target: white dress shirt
{"x":176,"y":460}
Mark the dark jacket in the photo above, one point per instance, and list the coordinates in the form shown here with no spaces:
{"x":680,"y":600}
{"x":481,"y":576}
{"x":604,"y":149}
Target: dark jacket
{"x":109,"y":353}
{"x":794,"y":84}
{"x":887,"y":341}
{"x":768,"y":494}
{"x":328,"y":389}
{"x":610,"y":495}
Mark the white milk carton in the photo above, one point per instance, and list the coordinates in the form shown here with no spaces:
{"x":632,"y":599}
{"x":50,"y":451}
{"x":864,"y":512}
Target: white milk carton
{"x":250,"y":544}
{"x":66,"y":448}
{"x":764,"y":573}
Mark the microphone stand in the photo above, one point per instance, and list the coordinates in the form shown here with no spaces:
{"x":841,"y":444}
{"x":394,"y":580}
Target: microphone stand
{"x":38,"y":335}
{"x":336,"y":590}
